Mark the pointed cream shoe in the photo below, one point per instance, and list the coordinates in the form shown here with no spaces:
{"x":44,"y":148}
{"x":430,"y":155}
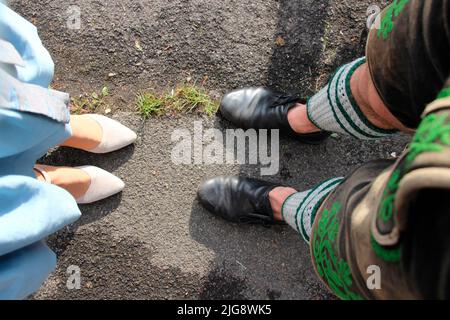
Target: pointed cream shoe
{"x":115,"y":135}
{"x":103,"y":185}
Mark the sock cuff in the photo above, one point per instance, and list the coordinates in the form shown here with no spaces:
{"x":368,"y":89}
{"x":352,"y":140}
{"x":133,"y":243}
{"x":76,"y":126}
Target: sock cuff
{"x":290,"y":206}
{"x":334,"y":108}
{"x":300,"y":209}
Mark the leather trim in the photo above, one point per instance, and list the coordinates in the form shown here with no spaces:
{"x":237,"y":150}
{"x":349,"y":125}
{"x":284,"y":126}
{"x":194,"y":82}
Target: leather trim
{"x":439,"y":104}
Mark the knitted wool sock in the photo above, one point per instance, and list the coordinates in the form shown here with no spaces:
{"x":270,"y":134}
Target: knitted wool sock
{"x":334,"y":108}
{"x":299,"y":210}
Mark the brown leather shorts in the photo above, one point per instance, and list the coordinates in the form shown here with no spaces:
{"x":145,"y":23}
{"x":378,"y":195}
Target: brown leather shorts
{"x":408,"y":54}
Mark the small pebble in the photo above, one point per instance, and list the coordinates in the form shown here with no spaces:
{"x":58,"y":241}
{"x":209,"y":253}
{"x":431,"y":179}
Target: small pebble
{"x":334,"y":135}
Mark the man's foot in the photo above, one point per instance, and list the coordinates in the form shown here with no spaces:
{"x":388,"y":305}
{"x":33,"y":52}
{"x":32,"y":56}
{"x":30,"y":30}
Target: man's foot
{"x":261,"y":108}
{"x":241,"y":200}
{"x":98,"y":134}
{"x":86,"y":184}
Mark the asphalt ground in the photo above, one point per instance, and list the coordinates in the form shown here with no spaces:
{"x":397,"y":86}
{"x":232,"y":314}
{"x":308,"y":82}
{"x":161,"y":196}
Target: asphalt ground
{"x":154,"y":241}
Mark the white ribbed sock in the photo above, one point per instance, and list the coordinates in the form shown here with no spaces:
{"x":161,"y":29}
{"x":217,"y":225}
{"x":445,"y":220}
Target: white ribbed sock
{"x":334,"y":108}
{"x":300,"y":209}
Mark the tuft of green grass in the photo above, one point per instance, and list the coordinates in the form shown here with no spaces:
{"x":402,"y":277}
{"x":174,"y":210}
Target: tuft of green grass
{"x":149,"y":104}
{"x":86,"y":103}
{"x":186,"y":98}
{"x":190,"y":98}
{"x":211,"y":108}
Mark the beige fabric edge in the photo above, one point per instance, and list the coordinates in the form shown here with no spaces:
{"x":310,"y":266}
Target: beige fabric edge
{"x":376,"y":193}
{"x":437,"y":105}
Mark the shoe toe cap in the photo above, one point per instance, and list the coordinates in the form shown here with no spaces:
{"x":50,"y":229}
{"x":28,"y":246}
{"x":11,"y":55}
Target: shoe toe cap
{"x":235,"y":101}
{"x":115,"y":135}
{"x":103,"y":185}
{"x":230,"y":104}
{"x":209,"y":193}
{"x":115,"y":184}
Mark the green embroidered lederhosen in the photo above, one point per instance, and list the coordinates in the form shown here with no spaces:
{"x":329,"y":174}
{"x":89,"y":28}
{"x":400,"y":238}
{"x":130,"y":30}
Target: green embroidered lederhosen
{"x":408,"y":56}
{"x":392,"y":216}
{"x":396,"y":216}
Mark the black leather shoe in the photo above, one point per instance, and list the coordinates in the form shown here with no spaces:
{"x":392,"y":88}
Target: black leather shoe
{"x":261,"y":108}
{"x":236,"y":199}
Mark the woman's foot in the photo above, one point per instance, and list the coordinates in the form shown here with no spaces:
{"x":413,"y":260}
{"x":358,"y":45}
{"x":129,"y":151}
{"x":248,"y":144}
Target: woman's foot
{"x":98,"y":134}
{"x":261,"y":108}
{"x":87,"y":184}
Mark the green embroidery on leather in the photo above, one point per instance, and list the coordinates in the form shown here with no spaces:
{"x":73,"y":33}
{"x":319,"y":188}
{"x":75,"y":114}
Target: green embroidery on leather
{"x":335,"y":272}
{"x":387,"y":204}
{"x":389,"y":255}
{"x":431,"y":136}
{"x":387,"y":22}
{"x":444,"y":93}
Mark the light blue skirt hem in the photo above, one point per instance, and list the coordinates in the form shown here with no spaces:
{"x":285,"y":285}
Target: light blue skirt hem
{"x":24,"y":271}
{"x":30,"y":210}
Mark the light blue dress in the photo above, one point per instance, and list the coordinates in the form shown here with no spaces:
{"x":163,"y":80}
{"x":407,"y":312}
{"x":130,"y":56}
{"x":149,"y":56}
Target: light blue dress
{"x":33,"y":118}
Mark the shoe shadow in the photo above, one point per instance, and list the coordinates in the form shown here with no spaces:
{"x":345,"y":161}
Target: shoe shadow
{"x":98,"y":210}
{"x":90,"y":213}
{"x":254,"y":262}
{"x":64,"y":156}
